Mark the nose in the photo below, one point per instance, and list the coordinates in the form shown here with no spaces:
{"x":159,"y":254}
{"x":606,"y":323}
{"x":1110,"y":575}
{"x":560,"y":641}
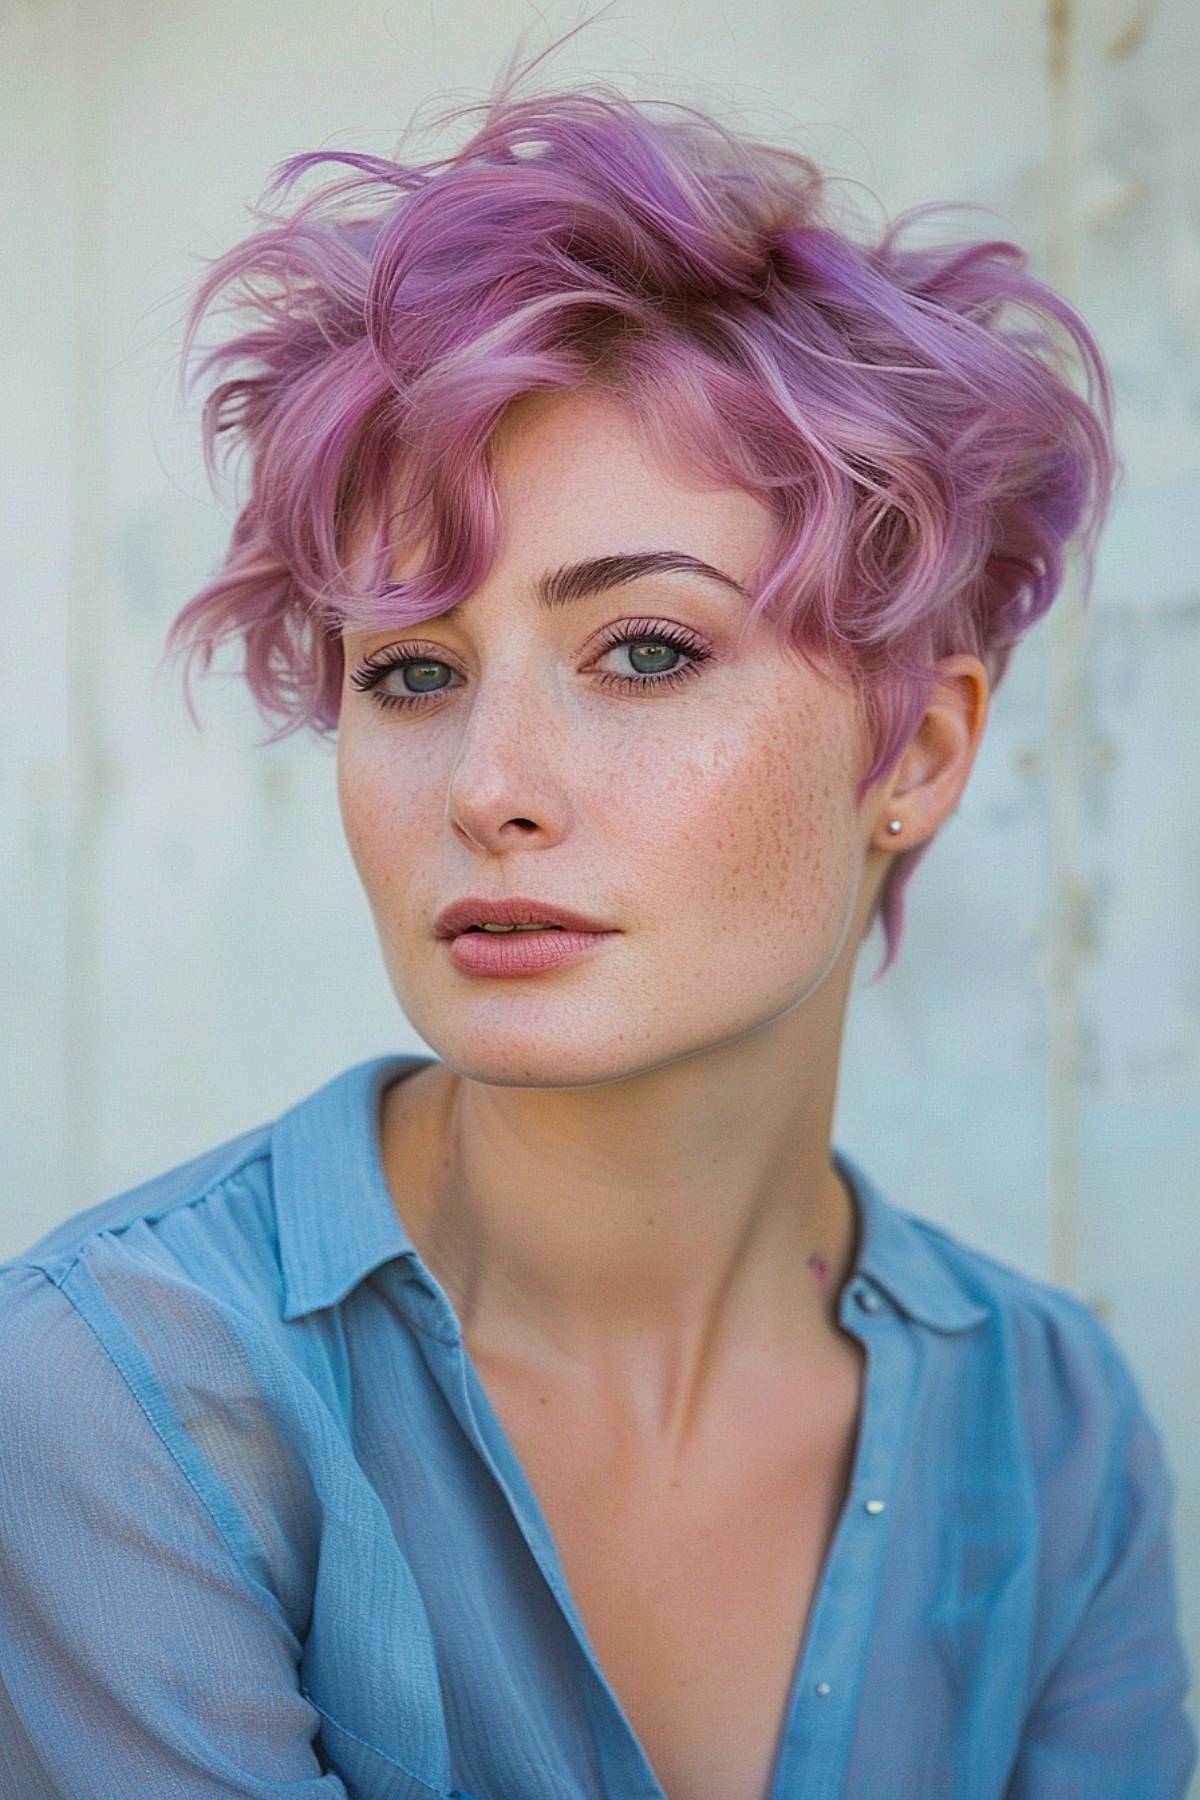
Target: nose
{"x":507,"y":782}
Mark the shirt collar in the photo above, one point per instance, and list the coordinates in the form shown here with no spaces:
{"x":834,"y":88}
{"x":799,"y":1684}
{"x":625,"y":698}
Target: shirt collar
{"x":333,"y":1205}
{"x":336,"y":1220}
{"x":896,"y":1252}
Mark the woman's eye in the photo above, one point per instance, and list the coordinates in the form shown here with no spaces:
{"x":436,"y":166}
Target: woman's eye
{"x":655,"y":656}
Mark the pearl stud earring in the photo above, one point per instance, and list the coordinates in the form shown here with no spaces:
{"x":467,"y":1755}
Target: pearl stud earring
{"x":894,"y":825}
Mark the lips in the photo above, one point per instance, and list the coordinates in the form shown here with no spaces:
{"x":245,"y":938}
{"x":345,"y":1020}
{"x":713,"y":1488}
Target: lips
{"x":491,"y":955}
{"x":474,"y":912}
{"x":515,"y":928}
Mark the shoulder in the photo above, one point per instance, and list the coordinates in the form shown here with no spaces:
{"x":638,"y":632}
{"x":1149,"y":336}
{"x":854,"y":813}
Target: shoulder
{"x":145,"y":1334}
{"x":1061,"y":1375}
{"x":1090,"y":1474}
{"x":174,"y":1286}
{"x":1043,"y":1328}
{"x":205,"y":1224}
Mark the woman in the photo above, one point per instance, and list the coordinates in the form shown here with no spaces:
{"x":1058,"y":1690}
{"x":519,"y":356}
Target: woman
{"x":563,"y":1415}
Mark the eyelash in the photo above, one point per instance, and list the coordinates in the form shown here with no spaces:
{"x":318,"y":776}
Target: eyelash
{"x":637,"y":631}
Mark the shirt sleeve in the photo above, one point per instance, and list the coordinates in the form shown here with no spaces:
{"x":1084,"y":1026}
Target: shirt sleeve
{"x":136,"y":1656}
{"x":1109,"y":1722}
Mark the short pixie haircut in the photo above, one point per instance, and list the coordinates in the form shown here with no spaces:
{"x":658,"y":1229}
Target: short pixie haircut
{"x":927,"y":470}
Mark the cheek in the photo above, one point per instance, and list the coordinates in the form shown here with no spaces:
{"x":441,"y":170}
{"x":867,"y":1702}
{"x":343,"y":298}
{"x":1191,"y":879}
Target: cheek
{"x":373,"y":818}
{"x":758,"y":822}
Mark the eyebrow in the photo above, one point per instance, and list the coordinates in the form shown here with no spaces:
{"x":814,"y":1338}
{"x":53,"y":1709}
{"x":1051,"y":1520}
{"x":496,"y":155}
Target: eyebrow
{"x":576,"y":581}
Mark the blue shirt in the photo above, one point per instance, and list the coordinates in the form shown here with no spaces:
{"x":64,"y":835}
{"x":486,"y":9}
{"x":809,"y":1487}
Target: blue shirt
{"x":261,"y":1532}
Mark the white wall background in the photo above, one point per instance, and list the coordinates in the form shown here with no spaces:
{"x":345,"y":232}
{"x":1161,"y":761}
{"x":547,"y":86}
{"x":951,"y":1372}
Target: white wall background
{"x":184,"y":945}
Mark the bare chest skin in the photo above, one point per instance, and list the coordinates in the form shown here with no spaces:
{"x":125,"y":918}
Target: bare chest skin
{"x":695,"y":1585}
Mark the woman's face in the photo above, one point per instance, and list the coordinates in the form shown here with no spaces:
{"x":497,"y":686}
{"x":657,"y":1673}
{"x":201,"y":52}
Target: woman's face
{"x":708,"y":816}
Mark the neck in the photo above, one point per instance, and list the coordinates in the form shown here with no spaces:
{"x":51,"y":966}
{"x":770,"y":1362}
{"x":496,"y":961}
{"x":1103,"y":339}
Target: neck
{"x":632,"y":1232}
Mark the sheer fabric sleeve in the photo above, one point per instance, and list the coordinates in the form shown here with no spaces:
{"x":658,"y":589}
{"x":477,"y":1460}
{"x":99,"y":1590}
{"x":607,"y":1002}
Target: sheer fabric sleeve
{"x":1109,"y":1722}
{"x":136,"y":1655}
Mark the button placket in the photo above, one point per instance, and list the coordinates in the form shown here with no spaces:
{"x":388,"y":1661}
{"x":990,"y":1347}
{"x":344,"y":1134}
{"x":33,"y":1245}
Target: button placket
{"x":869,"y":1302}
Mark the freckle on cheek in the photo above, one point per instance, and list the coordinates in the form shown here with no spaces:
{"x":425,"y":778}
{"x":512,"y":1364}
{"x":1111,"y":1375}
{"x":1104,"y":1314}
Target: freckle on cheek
{"x":820,"y":1269}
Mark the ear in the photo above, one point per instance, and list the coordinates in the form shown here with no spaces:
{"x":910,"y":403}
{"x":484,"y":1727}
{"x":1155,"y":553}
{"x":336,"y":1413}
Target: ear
{"x":928,"y":780}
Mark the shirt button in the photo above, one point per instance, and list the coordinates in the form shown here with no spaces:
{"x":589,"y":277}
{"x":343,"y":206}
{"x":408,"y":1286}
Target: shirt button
{"x":822,"y":1688}
{"x":867,"y":1299}
{"x":875,"y":1506}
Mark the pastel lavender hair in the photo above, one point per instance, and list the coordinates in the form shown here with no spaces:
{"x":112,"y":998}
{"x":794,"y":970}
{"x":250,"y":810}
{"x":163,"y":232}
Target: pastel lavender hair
{"x":927,"y":470}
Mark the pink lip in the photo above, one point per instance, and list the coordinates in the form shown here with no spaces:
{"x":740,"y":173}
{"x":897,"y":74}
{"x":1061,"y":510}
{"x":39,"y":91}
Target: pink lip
{"x":513,"y":909}
{"x":521,"y":952}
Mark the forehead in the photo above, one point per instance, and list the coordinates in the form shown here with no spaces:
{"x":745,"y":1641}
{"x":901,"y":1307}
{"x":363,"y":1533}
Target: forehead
{"x":575,"y":474}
